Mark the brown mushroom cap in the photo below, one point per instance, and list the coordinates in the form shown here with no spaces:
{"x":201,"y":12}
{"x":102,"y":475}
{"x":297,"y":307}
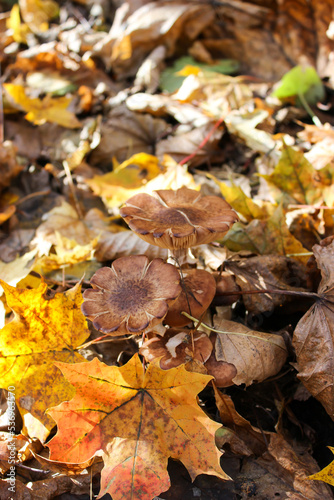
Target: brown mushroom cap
{"x":198,"y":290}
{"x":176,"y":347}
{"x":178,"y":219}
{"x":132,"y":295}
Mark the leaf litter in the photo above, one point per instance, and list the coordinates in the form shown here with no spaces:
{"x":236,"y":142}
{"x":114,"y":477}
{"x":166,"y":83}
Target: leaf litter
{"x":100,"y":106}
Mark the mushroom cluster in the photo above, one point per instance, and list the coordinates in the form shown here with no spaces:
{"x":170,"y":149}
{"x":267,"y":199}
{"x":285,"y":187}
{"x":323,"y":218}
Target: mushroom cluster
{"x":135,"y":296}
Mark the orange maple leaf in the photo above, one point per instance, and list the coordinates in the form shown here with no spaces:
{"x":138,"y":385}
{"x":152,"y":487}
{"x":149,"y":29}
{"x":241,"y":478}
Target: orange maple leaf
{"x":135,"y":420}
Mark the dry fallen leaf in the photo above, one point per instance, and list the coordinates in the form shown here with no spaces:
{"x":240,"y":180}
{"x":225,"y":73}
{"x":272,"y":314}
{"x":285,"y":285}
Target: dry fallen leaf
{"x":9,"y":165}
{"x":256,"y":355}
{"x":135,"y":420}
{"x":62,"y":221}
{"x":313,"y":337}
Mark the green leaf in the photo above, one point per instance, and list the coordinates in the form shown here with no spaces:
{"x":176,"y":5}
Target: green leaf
{"x":301,"y":81}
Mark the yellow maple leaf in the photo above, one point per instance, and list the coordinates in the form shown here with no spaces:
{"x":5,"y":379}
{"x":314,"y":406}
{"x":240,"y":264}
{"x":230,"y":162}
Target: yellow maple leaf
{"x":326,"y":474}
{"x":43,"y":331}
{"x":39,"y":111}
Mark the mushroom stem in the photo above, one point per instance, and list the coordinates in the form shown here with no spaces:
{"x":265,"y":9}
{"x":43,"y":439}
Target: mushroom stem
{"x":180,"y":256}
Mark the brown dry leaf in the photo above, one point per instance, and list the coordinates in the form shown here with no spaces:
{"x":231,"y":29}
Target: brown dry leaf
{"x":14,"y":271}
{"x":10,"y":447}
{"x":161,"y":105}
{"x":273,"y":272}
{"x":125,"y":133}
{"x":181,"y":145}
{"x":268,"y":38}
{"x":69,"y":469}
{"x":244,"y":126}
{"x":114,"y":241}
{"x":256,"y":355}
{"x":114,"y":245}
{"x":313,"y":337}
{"x":151,"y":25}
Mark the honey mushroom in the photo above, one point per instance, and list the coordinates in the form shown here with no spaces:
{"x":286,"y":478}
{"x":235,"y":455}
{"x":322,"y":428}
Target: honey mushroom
{"x":178,"y":220}
{"x":198,"y":291}
{"x":132,"y":296}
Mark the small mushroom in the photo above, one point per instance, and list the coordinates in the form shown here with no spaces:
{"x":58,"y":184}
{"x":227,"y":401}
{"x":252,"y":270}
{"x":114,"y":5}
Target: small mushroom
{"x":178,"y":219}
{"x":177,"y":347}
{"x":131,"y":296}
{"x":198,"y":290}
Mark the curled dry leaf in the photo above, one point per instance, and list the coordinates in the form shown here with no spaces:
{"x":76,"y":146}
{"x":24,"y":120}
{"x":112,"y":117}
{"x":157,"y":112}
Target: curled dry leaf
{"x":198,"y":290}
{"x":115,"y":245}
{"x":178,"y":219}
{"x":177,"y":346}
{"x":313,"y":337}
{"x":132,"y":295}
{"x":255,"y":355}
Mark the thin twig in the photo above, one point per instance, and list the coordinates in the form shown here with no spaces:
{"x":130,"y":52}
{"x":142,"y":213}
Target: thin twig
{"x":205,"y":140}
